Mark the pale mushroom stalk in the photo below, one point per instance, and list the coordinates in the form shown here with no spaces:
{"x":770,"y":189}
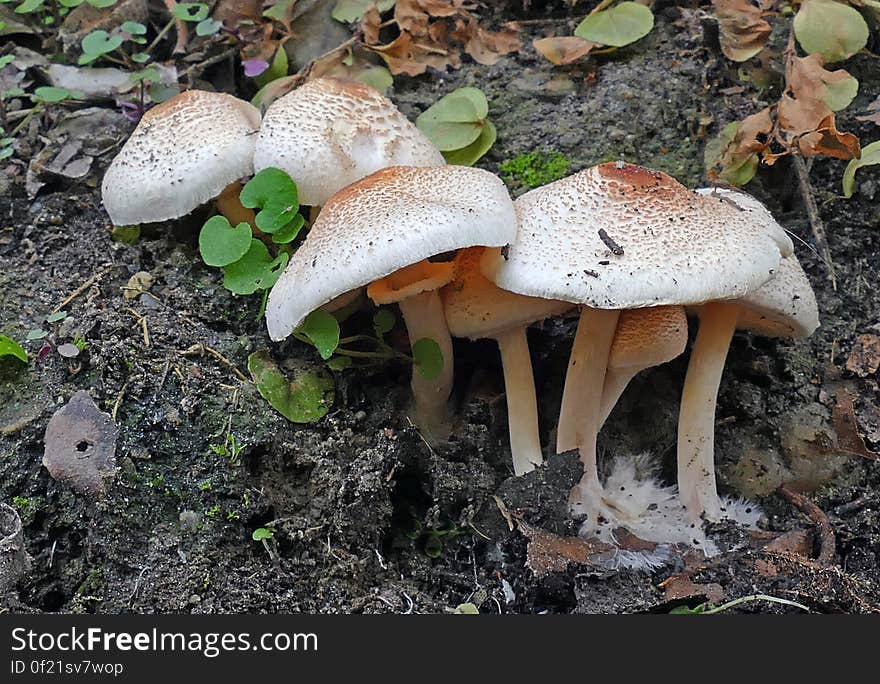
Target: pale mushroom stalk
{"x":616,"y":381}
{"x":696,"y":423}
{"x":423,"y":315}
{"x":522,"y":404}
{"x":581,"y":397}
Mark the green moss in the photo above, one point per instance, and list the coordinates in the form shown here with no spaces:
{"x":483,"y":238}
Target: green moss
{"x":534,"y":169}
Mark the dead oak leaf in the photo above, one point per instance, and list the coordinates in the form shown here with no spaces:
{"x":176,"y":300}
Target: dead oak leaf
{"x":406,"y":55}
{"x":864,"y":359}
{"x":563,"y":49}
{"x":485,"y":46}
{"x":743,"y":30}
{"x":872,"y":113}
{"x":547,"y":552}
{"x":827,"y":140}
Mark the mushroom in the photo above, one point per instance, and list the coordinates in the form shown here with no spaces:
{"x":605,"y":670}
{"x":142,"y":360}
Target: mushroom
{"x":381,"y":232}
{"x":477,"y":309}
{"x":331,"y":132}
{"x":644,"y":338}
{"x":184,"y":152}
{"x":783,"y":307}
{"x":619,"y":236}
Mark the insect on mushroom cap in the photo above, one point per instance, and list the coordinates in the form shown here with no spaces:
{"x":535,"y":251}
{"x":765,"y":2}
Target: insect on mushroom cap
{"x":331,"y":132}
{"x":385,"y":222}
{"x":619,"y":236}
{"x":183,"y":153}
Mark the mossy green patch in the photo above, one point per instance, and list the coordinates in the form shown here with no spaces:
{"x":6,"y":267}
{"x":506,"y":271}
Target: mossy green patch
{"x":534,"y":169}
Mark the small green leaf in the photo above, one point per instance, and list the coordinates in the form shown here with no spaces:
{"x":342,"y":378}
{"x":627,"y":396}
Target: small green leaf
{"x":262,"y":533}
{"x":322,"y":329}
{"x":274,"y":193}
{"x":52,"y":94}
{"x":98,"y":43}
{"x":256,"y":270}
{"x":159,"y":92}
{"x":468,"y":156}
{"x":339,"y":363}
{"x":455,"y":120}
{"x":5,"y":60}
{"x":134,"y":28}
{"x":6,"y":152}
{"x":9,"y":347}
{"x":833,"y":29}
{"x":870,"y":157}
{"x":350,"y":11}
{"x":220,"y":244}
{"x":56,"y":317}
{"x":466,"y":609}
{"x":840,"y":93}
{"x":620,"y":25}
{"x":290,"y":231}
{"x":141,"y":57}
{"x":29,"y":6}
{"x":37,"y":334}
{"x":102,"y":4}
{"x":190,"y":11}
{"x":208,"y":27}
{"x":150,"y":75}
{"x":304,"y":400}
{"x":428,"y":357}
{"x":687,"y":610}
{"x":383,"y":322}
{"x":277,"y":68}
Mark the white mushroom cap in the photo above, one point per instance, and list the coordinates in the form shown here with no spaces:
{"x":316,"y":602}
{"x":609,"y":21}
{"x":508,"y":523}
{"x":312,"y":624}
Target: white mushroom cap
{"x":383,"y":223}
{"x":329,"y":133}
{"x":182,"y":154}
{"x":477,"y":308}
{"x":664,"y":244}
{"x":784,"y":306}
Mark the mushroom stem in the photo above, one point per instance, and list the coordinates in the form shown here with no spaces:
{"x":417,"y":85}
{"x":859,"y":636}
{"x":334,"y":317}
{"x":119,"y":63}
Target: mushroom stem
{"x":423,"y":315}
{"x":696,"y":420}
{"x":229,"y":204}
{"x":522,"y":405}
{"x":579,"y":417}
{"x":616,"y":381}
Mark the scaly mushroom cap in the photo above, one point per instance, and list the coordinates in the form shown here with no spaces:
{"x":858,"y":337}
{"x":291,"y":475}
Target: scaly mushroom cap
{"x":476,"y":308}
{"x":391,"y":219}
{"x":663,"y":244}
{"x":330,"y":132}
{"x":785,"y":306}
{"x":648,"y":337}
{"x":183,"y":153}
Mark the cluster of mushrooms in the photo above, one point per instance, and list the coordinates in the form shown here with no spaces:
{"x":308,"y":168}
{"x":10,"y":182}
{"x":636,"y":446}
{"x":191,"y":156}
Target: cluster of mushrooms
{"x":630,"y":248}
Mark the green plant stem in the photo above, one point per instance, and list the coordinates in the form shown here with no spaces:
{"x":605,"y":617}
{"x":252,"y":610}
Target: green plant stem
{"x":160,"y":35}
{"x":754,"y":597}
{"x":24,"y":122}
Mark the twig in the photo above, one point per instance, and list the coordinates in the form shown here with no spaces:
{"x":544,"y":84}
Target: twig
{"x":119,"y":396}
{"x":180,"y":27}
{"x":201,"y":348}
{"x":827,"y":548}
{"x":82,"y":288}
{"x":816,"y":224}
{"x":211,"y":61}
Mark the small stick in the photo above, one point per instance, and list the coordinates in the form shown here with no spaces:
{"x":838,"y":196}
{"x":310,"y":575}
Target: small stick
{"x":616,"y":249}
{"x":82,"y":288}
{"x":816,"y":224}
{"x":827,"y":548}
{"x":180,"y":27}
{"x":200,"y":348}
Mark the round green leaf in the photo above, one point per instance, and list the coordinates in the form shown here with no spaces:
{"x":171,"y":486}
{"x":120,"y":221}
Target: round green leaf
{"x":839,"y":94}
{"x":9,"y":347}
{"x":833,"y":29}
{"x":322,"y":329}
{"x":274,"y":193}
{"x":456,"y":120}
{"x":134,"y":28}
{"x":208,"y":27}
{"x":620,"y":25}
{"x":29,"y":6}
{"x":468,"y":156}
{"x":339,"y":363}
{"x":383,"y":322}
{"x":290,"y":231}
{"x":247,"y":275}
{"x":99,"y":43}
{"x":191,"y":11}
{"x":305,"y":399}
{"x":221,"y":244}
{"x":262,"y":533}
{"x":52,"y":94}
{"x":870,"y":157}
{"x":428,"y":357}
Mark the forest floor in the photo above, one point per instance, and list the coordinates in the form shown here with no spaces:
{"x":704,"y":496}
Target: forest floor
{"x":367,"y":517}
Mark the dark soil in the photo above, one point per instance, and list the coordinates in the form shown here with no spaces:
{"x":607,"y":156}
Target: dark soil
{"x":367,"y":517}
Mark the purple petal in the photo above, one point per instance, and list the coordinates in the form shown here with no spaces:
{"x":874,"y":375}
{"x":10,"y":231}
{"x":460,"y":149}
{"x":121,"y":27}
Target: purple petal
{"x":254,"y":67}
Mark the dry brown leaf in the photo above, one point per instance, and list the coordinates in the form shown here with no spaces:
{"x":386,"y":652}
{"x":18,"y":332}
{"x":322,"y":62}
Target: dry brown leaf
{"x":371,"y":24}
{"x":485,"y":46}
{"x":743,"y":31}
{"x":681,"y":586}
{"x":405,"y":55}
{"x":548,"y":552}
{"x":797,"y":542}
{"x":410,"y":17}
{"x":234,"y":12}
{"x":827,"y":140}
{"x":843,"y":416}
{"x":563,"y":49}
{"x":864,"y":360}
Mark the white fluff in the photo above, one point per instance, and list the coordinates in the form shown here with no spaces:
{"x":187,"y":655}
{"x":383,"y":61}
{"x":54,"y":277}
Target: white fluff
{"x":635,"y":498}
